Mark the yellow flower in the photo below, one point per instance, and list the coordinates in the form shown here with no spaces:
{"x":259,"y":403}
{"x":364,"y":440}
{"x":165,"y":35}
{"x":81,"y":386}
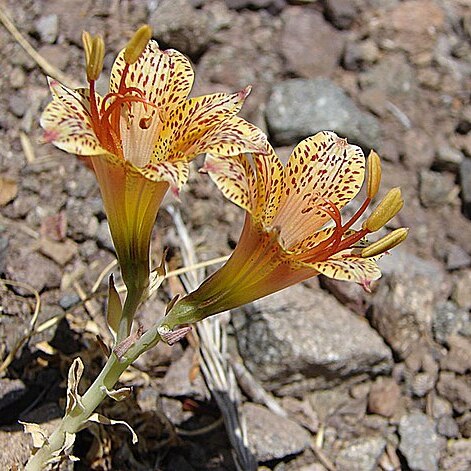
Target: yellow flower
{"x":293,"y":227}
{"x":140,"y":136}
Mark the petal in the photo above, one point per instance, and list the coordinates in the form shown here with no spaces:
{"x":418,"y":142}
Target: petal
{"x":270,"y":184}
{"x":349,"y":268}
{"x":234,"y":177}
{"x":70,"y":129}
{"x":233,"y":136}
{"x":323,"y":166}
{"x":175,"y":173}
{"x":187,"y":125}
{"x":165,"y":77}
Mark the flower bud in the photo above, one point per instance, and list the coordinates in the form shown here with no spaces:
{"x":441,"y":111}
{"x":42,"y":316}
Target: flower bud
{"x":386,"y":243}
{"x":385,"y":211}
{"x":137,"y":44}
{"x":374,"y":174}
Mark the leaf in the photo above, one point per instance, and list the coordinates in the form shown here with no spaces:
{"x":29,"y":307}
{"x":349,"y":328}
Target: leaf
{"x":117,"y":394}
{"x":73,"y":397}
{"x":115,"y":309}
{"x":101,"y":419}
{"x":8,"y":190}
{"x":37,"y":433}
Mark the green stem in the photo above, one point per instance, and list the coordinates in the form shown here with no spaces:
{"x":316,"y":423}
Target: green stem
{"x":95,"y":394}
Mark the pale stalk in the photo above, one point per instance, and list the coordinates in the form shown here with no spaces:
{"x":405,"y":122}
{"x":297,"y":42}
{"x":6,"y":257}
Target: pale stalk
{"x":106,"y":380}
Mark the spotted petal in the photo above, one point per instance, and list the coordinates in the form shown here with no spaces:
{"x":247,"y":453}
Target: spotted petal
{"x":186,"y":127}
{"x":176,"y":173}
{"x":321,"y":167}
{"x":349,"y":268}
{"x":66,"y":121}
{"x":234,"y":177}
{"x":165,"y":77}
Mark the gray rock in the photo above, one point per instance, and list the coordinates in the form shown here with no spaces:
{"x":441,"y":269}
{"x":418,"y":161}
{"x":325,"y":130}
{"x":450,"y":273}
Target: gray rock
{"x":437,"y":188}
{"x":310,"y":46}
{"x":457,"y":389}
{"x":301,"y":333}
{"x":103,"y":236}
{"x":449,"y":319}
{"x":447,"y":427}
{"x":458,"y":455}
{"x":461,"y":293}
{"x":419,"y":442}
{"x":182,"y":27}
{"x":358,"y":55}
{"x":458,"y":358}
{"x":48,"y":28}
{"x":255,"y":4}
{"x":69,"y":300}
{"x":405,"y":303}
{"x":271,"y":436}
{"x":177,"y":382}
{"x":340,"y":13}
{"x":457,"y":257}
{"x":3,"y":253}
{"x":448,"y":158}
{"x":361,"y":454}
{"x":298,"y":108}
{"x":18,"y":104}
{"x":465,"y":182}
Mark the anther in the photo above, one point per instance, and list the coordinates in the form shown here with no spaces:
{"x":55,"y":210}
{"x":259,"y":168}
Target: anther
{"x":385,"y":211}
{"x":94,"y":48}
{"x":374,"y":174}
{"x":137,"y":44}
{"x":386,"y":243}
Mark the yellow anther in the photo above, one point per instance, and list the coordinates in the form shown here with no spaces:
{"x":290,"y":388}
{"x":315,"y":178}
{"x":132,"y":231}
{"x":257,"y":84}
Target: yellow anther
{"x":374,"y":174}
{"x":385,"y":211}
{"x":386,"y":243}
{"x":94,"y":48}
{"x":137,"y":44}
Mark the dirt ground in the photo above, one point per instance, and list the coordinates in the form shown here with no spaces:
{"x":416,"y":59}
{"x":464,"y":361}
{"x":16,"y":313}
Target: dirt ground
{"x":376,"y":381}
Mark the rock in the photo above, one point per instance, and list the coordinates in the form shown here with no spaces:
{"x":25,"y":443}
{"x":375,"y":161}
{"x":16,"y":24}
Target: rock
{"x":457,"y":257}
{"x":11,"y":390}
{"x":310,"y":46}
{"x":299,"y":108}
{"x":3,"y":253}
{"x":35,"y":269}
{"x":458,"y":456}
{"x":419,"y":442}
{"x":384,"y":397}
{"x":82,"y":224}
{"x":405,"y":302}
{"x":441,"y":407}
{"x":465,"y":183}
{"x":288,"y":335}
{"x":448,"y":158}
{"x":16,"y":449}
{"x":56,"y":54}
{"x":457,"y":389}
{"x":177,"y":381}
{"x":17,"y":78}
{"x":464,"y":423}
{"x":103,"y":236}
{"x":61,"y":252}
{"x":253,"y":4}
{"x":414,"y":25}
{"x":69,"y":300}
{"x":458,"y":358}
{"x":358,"y":55}
{"x":341,"y":13}
{"x":422,"y":383}
{"x":182,"y":27}
{"x":461,"y":293}
{"x":271,"y":436}
{"x":448,"y":319}
{"x":350,"y":295}
{"x":447,"y":427}
{"x":18,"y":104}
{"x":437,"y":189}
{"x":361,"y":454}
{"x":48,"y":28}
{"x":419,"y":153}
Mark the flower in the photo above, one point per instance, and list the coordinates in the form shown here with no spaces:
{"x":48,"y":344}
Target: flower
{"x":293,"y":227}
{"x":140,"y":137}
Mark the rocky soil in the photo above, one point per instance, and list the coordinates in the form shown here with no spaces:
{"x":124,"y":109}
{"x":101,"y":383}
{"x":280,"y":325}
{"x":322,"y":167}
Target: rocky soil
{"x":375,"y":381}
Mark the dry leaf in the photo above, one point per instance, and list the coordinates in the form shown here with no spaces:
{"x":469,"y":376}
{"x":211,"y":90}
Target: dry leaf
{"x":8,"y":190}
